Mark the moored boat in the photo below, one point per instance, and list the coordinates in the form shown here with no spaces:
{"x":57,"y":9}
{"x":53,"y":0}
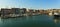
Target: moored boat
{"x":56,"y":15}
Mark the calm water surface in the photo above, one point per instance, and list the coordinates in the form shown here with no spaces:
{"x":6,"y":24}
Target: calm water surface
{"x":30,"y":21}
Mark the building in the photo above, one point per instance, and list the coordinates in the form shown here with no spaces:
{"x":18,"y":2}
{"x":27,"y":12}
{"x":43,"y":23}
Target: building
{"x":16,"y":10}
{"x":37,"y":11}
{"x":5,"y":12}
{"x":23,"y":10}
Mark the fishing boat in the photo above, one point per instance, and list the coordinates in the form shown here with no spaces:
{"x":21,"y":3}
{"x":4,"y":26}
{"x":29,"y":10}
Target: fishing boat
{"x":56,"y":15}
{"x":11,"y":16}
{"x":50,"y":14}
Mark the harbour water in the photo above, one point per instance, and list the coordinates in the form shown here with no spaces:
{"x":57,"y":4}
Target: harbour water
{"x":30,"y":21}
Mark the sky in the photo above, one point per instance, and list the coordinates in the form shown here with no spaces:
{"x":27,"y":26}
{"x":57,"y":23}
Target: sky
{"x":34,"y":4}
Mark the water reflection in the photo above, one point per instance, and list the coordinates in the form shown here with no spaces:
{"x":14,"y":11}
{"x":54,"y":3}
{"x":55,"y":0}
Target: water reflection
{"x":56,"y":20}
{"x":35,"y":21}
{"x":19,"y":19}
